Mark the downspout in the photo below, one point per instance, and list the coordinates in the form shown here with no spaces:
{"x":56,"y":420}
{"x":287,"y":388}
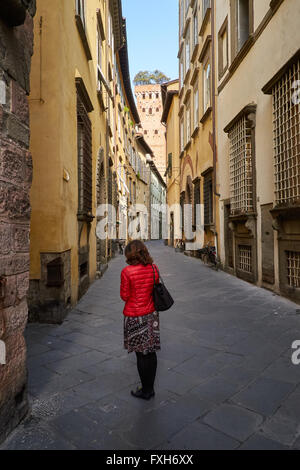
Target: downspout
{"x":213,"y":68}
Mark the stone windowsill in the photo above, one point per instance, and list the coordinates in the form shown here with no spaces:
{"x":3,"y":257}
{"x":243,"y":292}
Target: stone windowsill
{"x":205,"y":21}
{"x":83,"y":37}
{"x":206,"y":115}
{"x":242,"y":54}
{"x":188,"y":144}
{"x":195,"y":52}
{"x":195,"y":132}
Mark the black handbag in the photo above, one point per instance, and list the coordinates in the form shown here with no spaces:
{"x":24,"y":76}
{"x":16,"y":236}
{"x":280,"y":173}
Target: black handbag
{"x":161,"y":296}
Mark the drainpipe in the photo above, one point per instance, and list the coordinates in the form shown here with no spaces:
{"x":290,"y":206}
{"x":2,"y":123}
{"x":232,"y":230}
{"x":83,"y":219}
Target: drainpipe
{"x":213,"y":69}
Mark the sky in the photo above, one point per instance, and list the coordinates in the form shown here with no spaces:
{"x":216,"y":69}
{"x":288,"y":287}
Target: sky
{"x":152,"y":33}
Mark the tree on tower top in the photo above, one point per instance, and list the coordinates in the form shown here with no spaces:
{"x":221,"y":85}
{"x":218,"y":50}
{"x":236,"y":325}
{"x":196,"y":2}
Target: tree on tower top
{"x":150,"y":78}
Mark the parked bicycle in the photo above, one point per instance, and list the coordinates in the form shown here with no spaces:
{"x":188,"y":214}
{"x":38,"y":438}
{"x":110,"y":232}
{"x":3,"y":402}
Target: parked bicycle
{"x":208,"y":254}
{"x":180,"y":246}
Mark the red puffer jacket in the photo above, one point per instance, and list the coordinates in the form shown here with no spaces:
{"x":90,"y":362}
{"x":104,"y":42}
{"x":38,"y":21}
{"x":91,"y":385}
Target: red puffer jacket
{"x":136,"y":289}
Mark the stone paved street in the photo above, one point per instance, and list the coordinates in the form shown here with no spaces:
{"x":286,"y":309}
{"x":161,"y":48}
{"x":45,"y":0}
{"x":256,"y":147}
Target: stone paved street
{"x":225,"y":377}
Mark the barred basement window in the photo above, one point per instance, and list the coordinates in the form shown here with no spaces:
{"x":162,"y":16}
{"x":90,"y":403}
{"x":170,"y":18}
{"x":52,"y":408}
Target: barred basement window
{"x":245,"y":258}
{"x":293,"y":268}
{"x":84,"y":142}
{"x":208,"y":200}
{"x":241,"y":174}
{"x":286,"y":124}
{"x":55,"y":276}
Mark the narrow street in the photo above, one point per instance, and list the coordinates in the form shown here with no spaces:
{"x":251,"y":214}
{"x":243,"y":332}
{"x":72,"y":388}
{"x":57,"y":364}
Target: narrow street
{"x":225,"y":376}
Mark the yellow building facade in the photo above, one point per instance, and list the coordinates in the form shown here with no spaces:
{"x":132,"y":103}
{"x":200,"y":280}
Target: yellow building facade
{"x":83,"y":121}
{"x":197,"y":116}
{"x":170,"y":119}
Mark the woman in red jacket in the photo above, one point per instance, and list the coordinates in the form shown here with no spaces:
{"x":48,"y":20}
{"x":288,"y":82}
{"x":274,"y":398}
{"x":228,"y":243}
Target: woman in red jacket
{"x":141,"y":321}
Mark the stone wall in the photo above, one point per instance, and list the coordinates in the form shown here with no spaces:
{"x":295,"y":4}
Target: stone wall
{"x":16,"y":47}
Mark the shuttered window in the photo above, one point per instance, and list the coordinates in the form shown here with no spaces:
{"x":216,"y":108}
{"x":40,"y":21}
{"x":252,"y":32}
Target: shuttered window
{"x":84,"y":145}
{"x":208,"y":199}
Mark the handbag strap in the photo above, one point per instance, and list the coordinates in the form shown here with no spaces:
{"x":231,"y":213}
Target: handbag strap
{"x":159,"y":276}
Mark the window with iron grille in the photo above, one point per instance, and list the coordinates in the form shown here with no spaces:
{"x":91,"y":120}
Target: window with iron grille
{"x":286,"y":125}
{"x":55,"y":273}
{"x":245,"y":258}
{"x":208,"y":199}
{"x":241,"y":172}
{"x":84,"y":143}
{"x":197,"y":200}
{"x":293,"y":268}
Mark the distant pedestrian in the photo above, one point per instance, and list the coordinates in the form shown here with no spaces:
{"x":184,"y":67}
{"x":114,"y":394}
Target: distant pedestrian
{"x":141,"y":321}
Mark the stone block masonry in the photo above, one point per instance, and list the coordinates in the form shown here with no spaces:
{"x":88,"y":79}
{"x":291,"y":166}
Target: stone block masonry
{"x":16,"y":47}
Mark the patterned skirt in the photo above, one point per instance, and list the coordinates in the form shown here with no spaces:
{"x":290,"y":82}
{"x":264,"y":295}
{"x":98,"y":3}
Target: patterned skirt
{"x":141,"y":334}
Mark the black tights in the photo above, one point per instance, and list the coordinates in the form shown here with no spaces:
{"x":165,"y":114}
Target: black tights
{"x":147,"y":365}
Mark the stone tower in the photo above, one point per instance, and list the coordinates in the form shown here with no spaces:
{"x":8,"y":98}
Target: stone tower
{"x":149,"y":104}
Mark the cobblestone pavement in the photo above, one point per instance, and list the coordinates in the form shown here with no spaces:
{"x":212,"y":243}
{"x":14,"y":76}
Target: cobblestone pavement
{"x":225,"y":376}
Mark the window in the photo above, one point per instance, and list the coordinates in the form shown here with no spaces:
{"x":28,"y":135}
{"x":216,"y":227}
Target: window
{"x":223,"y":49}
{"x":208,"y":199}
{"x":197,"y":200}
{"x":293,"y":268}
{"x":286,"y":132}
{"x":188,"y":123}
{"x":99,"y":48}
{"x":109,"y":30}
{"x":156,"y":132}
{"x":182,"y":198}
{"x":241,"y":183}
{"x":181,"y":135}
{"x":187,"y":6}
{"x":181,"y":70}
{"x":206,"y":87}
{"x":144,"y":110}
{"x":157,"y":110}
{"x":195,"y":27}
{"x":170,"y":163}
{"x":243,"y":22}
{"x":134,"y":192}
{"x":84,"y":150}
{"x":119,"y":126}
{"x":144,"y":96}
{"x":150,"y":110}
{"x":205,"y":6}
{"x":181,"y":16}
{"x":145,"y":132}
{"x":245,"y":258}
{"x":150,"y":96}
{"x":187,"y":50}
{"x":196,"y":107}
{"x":80,"y":10}
{"x":157,"y":96}
{"x":55,"y":273}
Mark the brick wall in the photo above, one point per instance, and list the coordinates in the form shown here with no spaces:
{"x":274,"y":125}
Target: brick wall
{"x":149,"y":100}
{"x":16,"y":47}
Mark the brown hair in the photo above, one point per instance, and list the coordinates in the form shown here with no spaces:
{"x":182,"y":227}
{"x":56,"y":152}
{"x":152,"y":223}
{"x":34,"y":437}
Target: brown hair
{"x":136,"y":252}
